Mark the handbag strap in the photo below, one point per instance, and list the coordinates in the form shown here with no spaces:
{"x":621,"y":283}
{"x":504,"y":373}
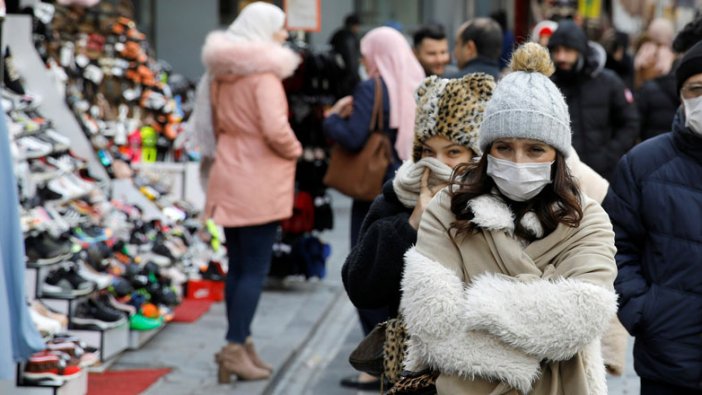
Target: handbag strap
{"x":377,"y":123}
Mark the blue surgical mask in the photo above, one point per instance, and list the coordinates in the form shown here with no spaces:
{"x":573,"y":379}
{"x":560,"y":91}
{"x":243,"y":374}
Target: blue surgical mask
{"x":519,"y":181}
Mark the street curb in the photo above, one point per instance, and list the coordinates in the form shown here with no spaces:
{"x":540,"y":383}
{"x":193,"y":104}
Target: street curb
{"x":289,"y":361}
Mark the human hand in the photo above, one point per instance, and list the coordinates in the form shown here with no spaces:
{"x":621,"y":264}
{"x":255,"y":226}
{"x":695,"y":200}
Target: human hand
{"x":426,"y":193}
{"x":343,"y":107}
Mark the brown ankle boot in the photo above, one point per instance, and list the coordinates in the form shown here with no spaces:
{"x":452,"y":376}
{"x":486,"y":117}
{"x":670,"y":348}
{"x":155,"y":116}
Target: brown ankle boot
{"x":253,"y":356}
{"x":233,"y":360}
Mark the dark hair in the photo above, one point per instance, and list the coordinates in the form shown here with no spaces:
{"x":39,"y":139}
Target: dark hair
{"x":558,"y":202}
{"x":500,"y":16}
{"x":352,"y":20}
{"x":487,"y":36}
{"x":690,"y":35}
{"x":433,"y":31}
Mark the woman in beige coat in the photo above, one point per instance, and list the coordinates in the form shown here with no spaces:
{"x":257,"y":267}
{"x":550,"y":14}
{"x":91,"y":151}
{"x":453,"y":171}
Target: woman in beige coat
{"x":510,"y":285}
{"x":251,"y":183}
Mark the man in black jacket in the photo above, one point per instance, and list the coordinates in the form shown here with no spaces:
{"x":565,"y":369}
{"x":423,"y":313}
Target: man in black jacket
{"x":603,"y":116}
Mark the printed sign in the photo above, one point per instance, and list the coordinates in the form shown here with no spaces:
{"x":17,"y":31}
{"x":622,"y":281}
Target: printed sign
{"x":304,"y":15}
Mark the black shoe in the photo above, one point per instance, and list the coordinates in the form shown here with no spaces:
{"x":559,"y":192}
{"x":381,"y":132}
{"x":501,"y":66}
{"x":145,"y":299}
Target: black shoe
{"x":92,"y":314}
{"x":45,"y":250}
{"x":352,"y":382}
{"x":64,"y":283}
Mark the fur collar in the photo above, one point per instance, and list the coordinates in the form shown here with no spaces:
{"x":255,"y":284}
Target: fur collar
{"x":490,"y":212}
{"x":222,"y":55}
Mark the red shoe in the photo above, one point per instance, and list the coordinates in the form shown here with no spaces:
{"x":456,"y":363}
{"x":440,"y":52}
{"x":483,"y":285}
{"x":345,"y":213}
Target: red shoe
{"x":50,"y":365}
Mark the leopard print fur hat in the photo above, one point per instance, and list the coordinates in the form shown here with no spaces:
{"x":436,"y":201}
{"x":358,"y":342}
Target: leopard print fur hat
{"x":452,"y":108}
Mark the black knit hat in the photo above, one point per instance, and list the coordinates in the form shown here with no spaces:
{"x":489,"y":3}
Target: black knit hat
{"x":690,"y":64}
{"x":570,"y":35}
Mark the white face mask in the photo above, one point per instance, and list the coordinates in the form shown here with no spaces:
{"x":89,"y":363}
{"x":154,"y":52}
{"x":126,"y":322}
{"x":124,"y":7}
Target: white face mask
{"x":519,"y":181}
{"x":693,"y":114}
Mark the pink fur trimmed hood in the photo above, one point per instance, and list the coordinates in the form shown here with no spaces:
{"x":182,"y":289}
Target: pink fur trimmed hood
{"x":222,"y":55}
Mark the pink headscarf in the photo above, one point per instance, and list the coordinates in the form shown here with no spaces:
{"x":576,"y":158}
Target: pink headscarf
{"x":387,"y":54}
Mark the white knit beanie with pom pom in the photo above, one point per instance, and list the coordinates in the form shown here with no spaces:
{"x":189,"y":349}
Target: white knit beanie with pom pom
{"x":527,"y":104}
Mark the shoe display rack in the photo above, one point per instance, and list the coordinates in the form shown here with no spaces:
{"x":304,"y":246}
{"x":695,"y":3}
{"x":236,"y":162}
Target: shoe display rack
{"x":75,"y":386}
{"x":107,"y":256}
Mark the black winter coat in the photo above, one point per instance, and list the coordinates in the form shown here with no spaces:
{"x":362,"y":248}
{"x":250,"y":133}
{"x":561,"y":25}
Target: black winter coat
{"x":603,"y":116}
{"x":373,"y":270}
{"x":657,"y":101}
{"x":655,"y":203}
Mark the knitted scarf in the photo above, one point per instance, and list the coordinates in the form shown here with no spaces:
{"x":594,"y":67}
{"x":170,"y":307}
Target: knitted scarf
{"x":408,"y":179}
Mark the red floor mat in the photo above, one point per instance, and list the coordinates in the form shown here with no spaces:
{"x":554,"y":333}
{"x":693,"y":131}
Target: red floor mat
{"x":123,"y":382}
{"x":191,"y":310}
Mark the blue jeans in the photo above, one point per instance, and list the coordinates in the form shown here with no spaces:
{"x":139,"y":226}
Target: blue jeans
{"x":250,"y":249}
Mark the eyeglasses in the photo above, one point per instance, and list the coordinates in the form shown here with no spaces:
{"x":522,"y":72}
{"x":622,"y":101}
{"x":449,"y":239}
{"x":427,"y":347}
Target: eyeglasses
{"x":691,"y":91}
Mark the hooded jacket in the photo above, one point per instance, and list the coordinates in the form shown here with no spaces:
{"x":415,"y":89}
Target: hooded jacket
{"x":256,"y":148}
{"x":495,"y":317}
{"x":655,"y":204}
{"x":604,"y":119}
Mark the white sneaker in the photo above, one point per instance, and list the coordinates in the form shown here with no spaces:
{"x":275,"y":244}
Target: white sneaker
{"x":103,"y":280}
{"x":31,"y":148}
{"x":45,"y":324}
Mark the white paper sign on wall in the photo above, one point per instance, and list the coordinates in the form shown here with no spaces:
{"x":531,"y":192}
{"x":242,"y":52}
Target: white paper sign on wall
{"x":304,"y":15}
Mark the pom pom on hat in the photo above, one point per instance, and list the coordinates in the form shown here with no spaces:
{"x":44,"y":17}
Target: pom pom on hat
{"x":527,"y":104}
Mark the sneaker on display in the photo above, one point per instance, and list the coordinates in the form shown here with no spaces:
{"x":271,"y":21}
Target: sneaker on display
{"x":49,"y":365}
{"x":45,"y":250}
{"x":93,"y":314}
{"x":10,"y":76}
{"x":30,"y":147}
{"x":44,"y":324}
{"x":64,"y":283}
{"x":58,"y":142}
{"x":38,"y":307}
{"x":110,"y":300}
{"x":138,"y":322}
{"x":102,"y":280}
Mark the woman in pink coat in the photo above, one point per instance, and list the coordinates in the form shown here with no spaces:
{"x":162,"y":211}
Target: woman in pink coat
{"x":251,"y":183}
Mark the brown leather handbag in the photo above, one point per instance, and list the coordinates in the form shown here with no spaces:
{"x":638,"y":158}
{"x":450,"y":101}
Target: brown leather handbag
{"x":360,"y":174}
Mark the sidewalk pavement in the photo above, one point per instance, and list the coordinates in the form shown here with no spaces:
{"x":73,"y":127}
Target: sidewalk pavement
{"x":305,"y":329}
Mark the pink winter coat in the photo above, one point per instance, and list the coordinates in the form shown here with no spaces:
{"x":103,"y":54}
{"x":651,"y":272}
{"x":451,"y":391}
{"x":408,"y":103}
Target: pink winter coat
{"x":252,"y":178}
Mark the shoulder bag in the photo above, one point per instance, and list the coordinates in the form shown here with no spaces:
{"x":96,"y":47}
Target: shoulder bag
{"x":360,"y":174}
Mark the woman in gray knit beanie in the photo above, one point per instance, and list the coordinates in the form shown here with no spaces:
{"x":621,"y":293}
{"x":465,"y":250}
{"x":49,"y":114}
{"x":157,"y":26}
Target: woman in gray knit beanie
{"x":510,"y":284}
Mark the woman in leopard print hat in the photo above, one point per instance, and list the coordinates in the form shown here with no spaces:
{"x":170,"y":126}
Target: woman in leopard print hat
{"x":448,"y":116}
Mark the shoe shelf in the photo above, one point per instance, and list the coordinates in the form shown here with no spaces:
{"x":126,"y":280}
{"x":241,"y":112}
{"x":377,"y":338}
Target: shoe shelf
{"x":110,"y":342}
{"x":137,"y":339}
{"x":75,"y":386}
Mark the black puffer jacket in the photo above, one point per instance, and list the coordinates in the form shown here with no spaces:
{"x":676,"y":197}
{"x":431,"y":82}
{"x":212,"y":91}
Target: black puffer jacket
{"x":603,"y":116}
{"x":655,"y":204}
{"x":657,"y":101}
{"x":373,"y":270}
